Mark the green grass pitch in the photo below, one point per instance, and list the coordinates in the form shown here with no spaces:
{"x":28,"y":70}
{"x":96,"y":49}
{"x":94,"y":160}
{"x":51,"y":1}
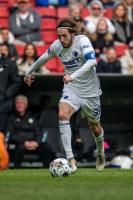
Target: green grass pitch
{"x":38,"y":184}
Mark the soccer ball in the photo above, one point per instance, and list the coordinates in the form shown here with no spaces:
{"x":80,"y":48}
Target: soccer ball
{"x":60,"y":167}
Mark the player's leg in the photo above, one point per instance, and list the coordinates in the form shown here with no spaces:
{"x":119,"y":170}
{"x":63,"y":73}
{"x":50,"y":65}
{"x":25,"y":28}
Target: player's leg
{"x":65,"y":113}
{"x":98,"y":134}
{"x":91,"y":109}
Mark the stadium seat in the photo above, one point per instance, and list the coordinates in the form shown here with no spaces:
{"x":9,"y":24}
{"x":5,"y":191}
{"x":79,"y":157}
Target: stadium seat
{"x":41,"y":49}
{"x":121,"y":49}
{"x":48,"y":24}
{"x":62,"y":12}
{"x":52,"y":65}
{"x":48,"y":36}
{"x":20,"y":49}
{"x":3,"y":3}
{"x":3,"y":23}
{"x":12,"y":3}
{"x":4,"y":12}
{"x":60,"y":66}
{"x":108,"y":13}
{"x":46,"y":12}
{"x":85,"y":12}
{"x":33,"y":2}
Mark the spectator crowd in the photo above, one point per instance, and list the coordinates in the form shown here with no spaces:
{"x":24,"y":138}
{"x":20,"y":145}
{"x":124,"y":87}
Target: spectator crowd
{"x":29,"y":30}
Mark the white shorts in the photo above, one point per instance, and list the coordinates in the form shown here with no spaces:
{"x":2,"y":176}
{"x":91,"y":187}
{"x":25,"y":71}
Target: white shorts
{"x":90,"y":106}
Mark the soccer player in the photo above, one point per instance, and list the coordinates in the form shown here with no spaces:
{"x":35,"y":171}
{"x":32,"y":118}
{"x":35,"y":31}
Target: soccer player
{"x":81,"y":86}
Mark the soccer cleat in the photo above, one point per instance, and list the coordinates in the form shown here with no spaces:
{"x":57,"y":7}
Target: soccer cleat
{"x":73,"y":165}
{"x":100,"y":162}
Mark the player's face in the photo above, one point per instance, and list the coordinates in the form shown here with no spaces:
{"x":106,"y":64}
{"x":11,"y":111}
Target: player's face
{"x":65,"y":37}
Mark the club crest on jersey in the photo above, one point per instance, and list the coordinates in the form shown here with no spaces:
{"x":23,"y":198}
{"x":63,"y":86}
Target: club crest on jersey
{"x":75,"y":53}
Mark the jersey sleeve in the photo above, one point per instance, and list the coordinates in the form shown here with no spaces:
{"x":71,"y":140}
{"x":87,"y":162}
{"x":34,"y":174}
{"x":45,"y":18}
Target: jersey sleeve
{"x":50,"y":53}
{"x":86,"y":48}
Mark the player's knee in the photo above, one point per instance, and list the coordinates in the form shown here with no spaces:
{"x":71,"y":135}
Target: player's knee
{"x":96,"y":130}
{"x":63,"y":115}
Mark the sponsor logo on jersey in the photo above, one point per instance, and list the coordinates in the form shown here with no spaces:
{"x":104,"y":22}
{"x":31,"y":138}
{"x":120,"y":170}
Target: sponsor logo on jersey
{"x":71,"y":63}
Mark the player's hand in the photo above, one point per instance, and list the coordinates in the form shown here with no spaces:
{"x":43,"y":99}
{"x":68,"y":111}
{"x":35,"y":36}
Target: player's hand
{"x":29,"y":79}
{"x":67,"y":78}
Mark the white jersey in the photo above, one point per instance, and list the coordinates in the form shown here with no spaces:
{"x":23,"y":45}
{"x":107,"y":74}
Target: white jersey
{"x":79,"y":62}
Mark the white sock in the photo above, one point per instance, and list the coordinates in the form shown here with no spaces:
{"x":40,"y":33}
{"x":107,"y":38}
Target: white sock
{"x":66,"y":135}
{"x":100,"y":143}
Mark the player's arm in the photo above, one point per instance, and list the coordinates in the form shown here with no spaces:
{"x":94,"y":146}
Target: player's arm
{"x":88,"y":54}
{"x":90,"y":62}
{"x":85,"y":68}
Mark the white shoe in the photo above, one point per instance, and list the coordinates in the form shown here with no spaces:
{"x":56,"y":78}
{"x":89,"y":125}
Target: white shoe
{"x":73,"y":165}
{"x":100,"y":162}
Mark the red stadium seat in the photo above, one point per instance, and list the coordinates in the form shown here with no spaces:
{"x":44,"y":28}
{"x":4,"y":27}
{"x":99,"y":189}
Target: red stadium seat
{"x":3,"y":3}
{"x":60,"y":66}
{"x":85,"y":12}
{"x":48,"y":24}
{"x":20,"y":49}
{"x":3,"y":23}
{"x":108,"y":13}
{"x":62,"y":12}
{"x":52,"y":65}
{"x":49,"y":36}
{"x":46,"y":12}
{"x":41,"y":49}
{"x":121,"y":49}
{"x":33,"y":2}
{"x":12,"y":3}
{"x":4,"y":12}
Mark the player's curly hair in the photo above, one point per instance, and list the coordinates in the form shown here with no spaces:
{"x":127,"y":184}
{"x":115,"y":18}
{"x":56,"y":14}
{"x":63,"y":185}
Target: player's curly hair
{"x":67,"y":23}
